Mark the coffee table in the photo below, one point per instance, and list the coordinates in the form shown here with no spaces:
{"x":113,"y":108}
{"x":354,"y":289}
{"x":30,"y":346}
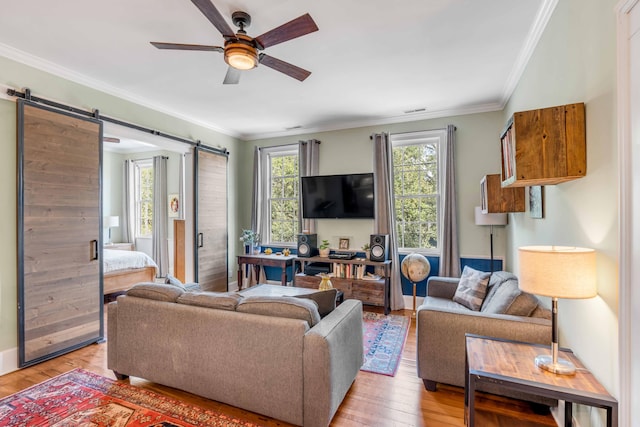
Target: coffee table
{"x":265,"y":290}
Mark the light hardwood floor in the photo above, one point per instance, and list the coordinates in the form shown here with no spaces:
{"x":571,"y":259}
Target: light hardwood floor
{"x":374,"y":400}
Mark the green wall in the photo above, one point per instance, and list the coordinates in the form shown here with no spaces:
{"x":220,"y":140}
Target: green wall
{"x":48,"y":86}
{"x":575,"y":62}
{"x":351,"y":151}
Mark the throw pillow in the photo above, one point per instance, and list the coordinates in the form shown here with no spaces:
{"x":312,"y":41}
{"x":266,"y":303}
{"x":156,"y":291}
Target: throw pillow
{"x":509,"y":299}
{"x":290,"y":307}
{"x":189,"y":287}
{"x":326,"y":300}
{"x":155,"y":291}
{"x":472,"y":288}
{"x":218,"y":300}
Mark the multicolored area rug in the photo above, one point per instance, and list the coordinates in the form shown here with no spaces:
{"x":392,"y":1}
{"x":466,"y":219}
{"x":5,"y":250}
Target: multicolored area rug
{"x":384,"y":338}
{"x":81,"y":398}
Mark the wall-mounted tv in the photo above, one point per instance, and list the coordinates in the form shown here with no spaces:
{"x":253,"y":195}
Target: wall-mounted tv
{"x":338,"y":196}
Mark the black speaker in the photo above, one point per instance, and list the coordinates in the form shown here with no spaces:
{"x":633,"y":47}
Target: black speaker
{"x":307,"y":245}
{"x":379,"y":247}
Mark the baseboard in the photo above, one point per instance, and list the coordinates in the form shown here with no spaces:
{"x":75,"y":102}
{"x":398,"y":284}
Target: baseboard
{"x":408,"y":302}
{"x":8,"y":361}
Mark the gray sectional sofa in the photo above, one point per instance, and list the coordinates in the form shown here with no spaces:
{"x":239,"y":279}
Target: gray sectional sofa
{"x":442,"y":323}
{"x":274,"y":356}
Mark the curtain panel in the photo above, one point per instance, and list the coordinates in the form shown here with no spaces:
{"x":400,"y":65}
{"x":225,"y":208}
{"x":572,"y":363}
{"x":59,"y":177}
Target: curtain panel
{"x":384,"y":222}
{"x":309,"y":165}
{"x":127,"y":229}
{"x":160,"y":215}
{"x":450,"y":257}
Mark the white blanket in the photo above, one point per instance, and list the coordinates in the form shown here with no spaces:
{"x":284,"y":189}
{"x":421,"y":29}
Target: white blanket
{"x":114,"y":260}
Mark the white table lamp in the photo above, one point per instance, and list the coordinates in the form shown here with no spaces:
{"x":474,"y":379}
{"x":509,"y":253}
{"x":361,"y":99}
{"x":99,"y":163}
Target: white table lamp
{"x":557,"y":272}
{"x":112,"y":221}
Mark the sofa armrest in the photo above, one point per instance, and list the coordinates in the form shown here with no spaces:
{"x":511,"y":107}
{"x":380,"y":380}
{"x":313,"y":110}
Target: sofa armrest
{"x":442,"y":287}
{"x":441,"y":338}
{"x":333,"y":355}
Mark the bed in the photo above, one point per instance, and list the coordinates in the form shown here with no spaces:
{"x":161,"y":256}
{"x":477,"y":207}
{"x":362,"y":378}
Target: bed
{"x":123,"y":269}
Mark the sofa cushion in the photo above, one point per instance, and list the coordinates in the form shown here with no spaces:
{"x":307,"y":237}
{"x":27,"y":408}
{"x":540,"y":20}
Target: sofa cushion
{"x":326,"y":300}
{"x":497,"y":278}
{"x":472,"y":288}
{"x":290,"y":307}
{"x":507,"y":298}
{"x":218,"y":300}
{"x":155,"y":291}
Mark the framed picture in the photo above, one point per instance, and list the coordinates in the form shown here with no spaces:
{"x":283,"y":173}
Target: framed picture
{"x":536,"y":208}
{"x":174,"y":206}
{"x":344,"y":243}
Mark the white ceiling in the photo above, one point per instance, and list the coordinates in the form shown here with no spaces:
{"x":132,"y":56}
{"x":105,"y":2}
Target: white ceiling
{"x":370,"y":60}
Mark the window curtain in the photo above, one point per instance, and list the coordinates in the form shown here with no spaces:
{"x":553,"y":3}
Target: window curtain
{"x":308,"y":165}
{"x":181,"y":188}
{"x":256,"y":201}
{"x":127,"y":228}
{"x":384,"y":222}
{"x":450,"y":258}
{"x":160,"y":215}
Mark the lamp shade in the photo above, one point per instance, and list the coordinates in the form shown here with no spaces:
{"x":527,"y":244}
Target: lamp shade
{"x":113,"y":221}
{"x":490,"y":218}
{"x":558,"y":271}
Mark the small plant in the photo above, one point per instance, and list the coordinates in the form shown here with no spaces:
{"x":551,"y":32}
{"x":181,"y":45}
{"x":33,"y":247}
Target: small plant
{"x":250,"y":237}
{"x":365,"y":247}
{"x":324,"y":244}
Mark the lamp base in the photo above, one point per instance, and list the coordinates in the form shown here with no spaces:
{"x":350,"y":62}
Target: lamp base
{"x":561,"y":366}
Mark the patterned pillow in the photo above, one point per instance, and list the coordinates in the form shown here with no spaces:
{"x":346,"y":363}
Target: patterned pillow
{"x":472,"y":288}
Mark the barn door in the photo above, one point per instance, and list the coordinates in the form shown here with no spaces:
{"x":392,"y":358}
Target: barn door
{"x":59,"y":239}
{"x":210,"y":188}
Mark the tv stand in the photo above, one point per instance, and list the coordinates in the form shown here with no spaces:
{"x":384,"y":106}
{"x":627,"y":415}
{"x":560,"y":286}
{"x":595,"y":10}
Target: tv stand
{"x":351,"y":279}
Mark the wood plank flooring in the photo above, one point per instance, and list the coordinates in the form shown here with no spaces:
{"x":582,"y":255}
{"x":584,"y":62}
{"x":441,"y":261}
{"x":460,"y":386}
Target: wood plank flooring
{"x":374,"y":400}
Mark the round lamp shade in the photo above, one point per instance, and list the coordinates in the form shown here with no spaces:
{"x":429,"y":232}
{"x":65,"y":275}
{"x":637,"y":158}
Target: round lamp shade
{"x":415,"y":267}
{"x":558,"y":271}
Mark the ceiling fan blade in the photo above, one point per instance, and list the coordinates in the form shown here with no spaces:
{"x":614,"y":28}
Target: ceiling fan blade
{"x":284,"y":67}
{"x":111,"y":139}
{"x":298,"y":27}
{"x":181,"y":46}
{"x":232,"y":77}
{"x":209,"y":10}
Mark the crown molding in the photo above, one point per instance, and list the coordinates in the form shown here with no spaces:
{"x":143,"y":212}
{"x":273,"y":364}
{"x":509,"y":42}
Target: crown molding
{"x":68,"y":74}
{"x":531,"y":41}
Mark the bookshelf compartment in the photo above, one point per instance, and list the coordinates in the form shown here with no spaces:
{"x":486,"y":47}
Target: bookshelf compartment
{"x":496,"y":199}
{"x":544,"y":147}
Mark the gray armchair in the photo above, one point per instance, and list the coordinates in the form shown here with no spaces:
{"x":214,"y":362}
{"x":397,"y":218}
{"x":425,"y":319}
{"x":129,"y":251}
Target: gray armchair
{"x":441,"y":325}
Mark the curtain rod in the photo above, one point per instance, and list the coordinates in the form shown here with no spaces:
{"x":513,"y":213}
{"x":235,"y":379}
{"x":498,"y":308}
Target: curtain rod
{"x":284,"y":145}
{"x":371,"y":136}
{"x":96,"y":114}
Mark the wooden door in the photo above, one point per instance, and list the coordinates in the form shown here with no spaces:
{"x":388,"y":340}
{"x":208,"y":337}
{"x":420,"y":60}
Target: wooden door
{"x":210,"y":187}
{"x":59,"y":239}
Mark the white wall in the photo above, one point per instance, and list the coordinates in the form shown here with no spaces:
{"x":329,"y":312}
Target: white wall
{"x":42,"y":84}
{"x":575,"y":62}
{"x":351,"y":151}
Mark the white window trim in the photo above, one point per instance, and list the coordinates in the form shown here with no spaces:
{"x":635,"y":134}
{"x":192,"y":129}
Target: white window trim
{"x":265,"y":154}
{"x":439,"y":138}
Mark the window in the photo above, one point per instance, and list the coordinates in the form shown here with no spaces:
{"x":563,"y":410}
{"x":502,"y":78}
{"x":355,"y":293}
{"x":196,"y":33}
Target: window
{"x":281,"y":178}
{"x":417,"y":188}
{"x":143,"y":176}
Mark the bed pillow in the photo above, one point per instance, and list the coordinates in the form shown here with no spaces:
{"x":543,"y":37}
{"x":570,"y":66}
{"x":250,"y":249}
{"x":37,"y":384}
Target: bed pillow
{"x":472,"y":288}
{"x":155,"y":291}
{"x":290,"y":307}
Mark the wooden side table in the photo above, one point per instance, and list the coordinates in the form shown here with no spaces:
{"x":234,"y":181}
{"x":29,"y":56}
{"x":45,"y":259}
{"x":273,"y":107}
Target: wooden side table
{"x":510,"y":364}
{"x":265,"y":260}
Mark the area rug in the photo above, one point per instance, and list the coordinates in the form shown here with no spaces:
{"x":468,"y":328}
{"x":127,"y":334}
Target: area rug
{"x":81,"y":398}
{"x":383,"y":339}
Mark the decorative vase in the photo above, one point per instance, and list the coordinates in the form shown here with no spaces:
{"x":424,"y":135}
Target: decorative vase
{"x":325,"y":283}
{"x":367,"y":254}
{"x":247,"y":249}
{"x":324,"y":252}
{"x":256,"y":250}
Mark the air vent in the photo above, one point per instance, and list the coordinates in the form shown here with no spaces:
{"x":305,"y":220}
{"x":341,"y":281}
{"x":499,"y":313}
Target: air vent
{"x":293,"y":127}
{"x":416,"y":110}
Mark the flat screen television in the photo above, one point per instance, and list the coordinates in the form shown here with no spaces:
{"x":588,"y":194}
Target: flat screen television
{"x":338,"y":196}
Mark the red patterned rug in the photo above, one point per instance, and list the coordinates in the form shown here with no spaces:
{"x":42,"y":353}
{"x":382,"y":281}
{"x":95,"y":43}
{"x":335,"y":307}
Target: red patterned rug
{"x":383,"y":339}
{"x":81,"y":398}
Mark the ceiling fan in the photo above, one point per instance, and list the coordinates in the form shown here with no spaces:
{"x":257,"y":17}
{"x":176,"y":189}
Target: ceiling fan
{"x":241,"y":50}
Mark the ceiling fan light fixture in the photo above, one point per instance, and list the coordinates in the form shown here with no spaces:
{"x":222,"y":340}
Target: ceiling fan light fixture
{"x":240,"y":55}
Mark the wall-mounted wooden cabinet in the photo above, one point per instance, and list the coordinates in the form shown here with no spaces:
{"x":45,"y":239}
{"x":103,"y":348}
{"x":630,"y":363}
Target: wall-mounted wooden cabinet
{"x":495,"y":199}
{"x":544,"y":147}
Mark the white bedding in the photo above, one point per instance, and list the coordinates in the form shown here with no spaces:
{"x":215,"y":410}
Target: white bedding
{"x":114,"y":260}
